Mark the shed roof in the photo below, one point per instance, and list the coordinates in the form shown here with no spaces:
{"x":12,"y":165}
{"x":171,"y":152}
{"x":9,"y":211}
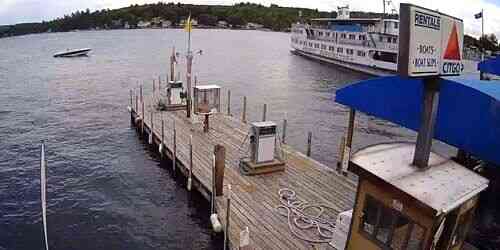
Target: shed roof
{"x":442,"y":186}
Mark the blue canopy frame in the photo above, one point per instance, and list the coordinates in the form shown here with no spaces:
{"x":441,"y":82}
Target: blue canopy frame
{"x":468,"y":113}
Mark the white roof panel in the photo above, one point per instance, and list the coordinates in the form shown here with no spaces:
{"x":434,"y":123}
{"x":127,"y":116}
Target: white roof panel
{"x":442,"y":186}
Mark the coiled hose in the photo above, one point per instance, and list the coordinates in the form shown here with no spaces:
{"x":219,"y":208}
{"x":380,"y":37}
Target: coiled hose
{"x":304,"y":216}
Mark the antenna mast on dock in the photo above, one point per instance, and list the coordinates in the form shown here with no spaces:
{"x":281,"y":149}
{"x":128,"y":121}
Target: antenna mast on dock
{"x":188,"y":27}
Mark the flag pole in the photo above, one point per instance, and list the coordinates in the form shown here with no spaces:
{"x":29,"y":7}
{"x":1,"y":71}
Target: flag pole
{"x":189,"y":58}
{"x":482,"y":33}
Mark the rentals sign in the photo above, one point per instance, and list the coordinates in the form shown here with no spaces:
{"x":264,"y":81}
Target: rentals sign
{"x":430,"y":43}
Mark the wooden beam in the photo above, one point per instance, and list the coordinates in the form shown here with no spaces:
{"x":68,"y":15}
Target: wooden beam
{"x":283,"y":135}
{"x":244,"y":115}
{"x":229,"y":102}
{"x":427,"y":122}
{"x":264,"y":112}
{"x":220,"y":161}
{"x":309,"y":142}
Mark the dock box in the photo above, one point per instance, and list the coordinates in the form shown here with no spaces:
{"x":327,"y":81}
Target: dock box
{"x":206,"y":99}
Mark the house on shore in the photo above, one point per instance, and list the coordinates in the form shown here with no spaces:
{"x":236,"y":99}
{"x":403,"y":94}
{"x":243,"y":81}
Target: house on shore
{"x":222,"y":24}
{"x":194,"y":22}
{"x":143,"y":24}
{"x":166,"y":24}
{"x":254,"y":26}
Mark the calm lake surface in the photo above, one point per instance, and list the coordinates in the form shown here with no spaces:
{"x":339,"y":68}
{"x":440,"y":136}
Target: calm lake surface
{"x":106,"y":189}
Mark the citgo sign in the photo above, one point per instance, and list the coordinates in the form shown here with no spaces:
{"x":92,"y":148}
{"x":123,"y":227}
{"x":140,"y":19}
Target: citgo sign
{"x":430,"y":43}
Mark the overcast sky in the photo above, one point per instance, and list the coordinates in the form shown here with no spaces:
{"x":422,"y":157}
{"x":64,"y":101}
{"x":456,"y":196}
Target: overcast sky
{"x":16,"y":11}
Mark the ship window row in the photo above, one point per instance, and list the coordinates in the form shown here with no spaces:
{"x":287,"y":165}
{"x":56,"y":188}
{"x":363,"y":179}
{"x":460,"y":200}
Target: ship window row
{"x":342,"y":35}
{"x":389,"y":39}
{"x":340,"y":50}
{"x":298,"y":31}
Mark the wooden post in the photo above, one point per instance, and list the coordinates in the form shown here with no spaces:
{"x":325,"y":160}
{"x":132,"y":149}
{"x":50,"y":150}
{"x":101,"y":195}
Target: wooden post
{"x":151,"y":130}
{"x":131,"y":107}
{"x":190,"y":175}
{"x":206,"y":125}
{"x":172,"y":65}
{"x":309,"y":141}
{"x":228,"y":212}
{"x":427,"y":122}
{"x":244,"y":116}
{"x":220,"y":159}
{"x":136,"y":103}
{"x":283,"y":136}
{"x":154,"y":87}
{"x":346,"y":145}
{"x":341,"y":154}
{"x":131,"y":100}
{"x":162,"y":141}
{"x":142,"y":96}
{"x":159,"y":83}
{"x":189,"y":66}
{"x":264,"y":112}
{"x":229,"y":102}
{"x":142,"y":115}
{"x":174,"y":150}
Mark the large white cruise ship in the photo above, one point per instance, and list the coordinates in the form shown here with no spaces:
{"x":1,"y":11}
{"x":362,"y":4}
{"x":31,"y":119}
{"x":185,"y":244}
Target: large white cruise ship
{"x":369,"y":45}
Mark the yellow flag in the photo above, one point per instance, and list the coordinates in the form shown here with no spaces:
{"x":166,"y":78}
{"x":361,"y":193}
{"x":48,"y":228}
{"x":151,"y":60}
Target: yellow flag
{"x":188,"y":25}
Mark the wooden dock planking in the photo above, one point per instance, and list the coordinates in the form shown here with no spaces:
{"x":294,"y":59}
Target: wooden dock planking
{"x":254,"y":198}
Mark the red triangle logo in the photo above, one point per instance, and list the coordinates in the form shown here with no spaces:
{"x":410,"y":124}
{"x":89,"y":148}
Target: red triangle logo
{"x":453,"y":49}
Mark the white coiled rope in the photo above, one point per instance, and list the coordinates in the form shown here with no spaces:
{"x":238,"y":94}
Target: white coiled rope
{"x":303,"y":216}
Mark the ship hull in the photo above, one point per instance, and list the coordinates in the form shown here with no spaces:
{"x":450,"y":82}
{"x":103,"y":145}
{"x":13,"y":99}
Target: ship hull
{"x":370,"y":70}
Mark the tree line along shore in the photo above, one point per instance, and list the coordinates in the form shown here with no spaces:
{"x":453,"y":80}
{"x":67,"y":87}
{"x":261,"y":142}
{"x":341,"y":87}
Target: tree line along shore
{"x":172,"y":15}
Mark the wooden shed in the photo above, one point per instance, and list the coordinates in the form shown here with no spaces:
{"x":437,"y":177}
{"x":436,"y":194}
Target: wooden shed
{"x":399,"y":206}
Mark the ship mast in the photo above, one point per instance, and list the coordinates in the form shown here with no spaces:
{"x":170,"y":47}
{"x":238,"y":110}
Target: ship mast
{"x":383,"y":17}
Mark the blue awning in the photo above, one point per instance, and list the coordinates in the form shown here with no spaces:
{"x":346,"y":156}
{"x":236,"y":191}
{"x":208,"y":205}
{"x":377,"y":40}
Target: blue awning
{"x":491,"y":66}
{"x":468,"y":113}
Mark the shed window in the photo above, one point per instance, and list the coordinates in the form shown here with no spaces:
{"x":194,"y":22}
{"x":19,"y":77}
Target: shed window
{"x":389,"y":228}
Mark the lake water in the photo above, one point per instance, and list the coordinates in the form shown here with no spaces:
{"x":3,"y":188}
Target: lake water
{"x":106,"y":189}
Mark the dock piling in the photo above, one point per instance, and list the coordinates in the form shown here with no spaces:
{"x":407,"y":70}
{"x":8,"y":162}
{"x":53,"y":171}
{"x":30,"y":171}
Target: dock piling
{"x":174,"y":150}
{"x":150,"y":140}
{"x":216,"y":225}
{"x":309,"y":141}
{"x":220,"y":159}
{"x":228,"y":212}
{"x":229,"y":102}
{"x":162,"y":137}
{"x":142,"y":113}
{"x":206,"y":125}
{"x":141,"y":94}
{"x":347,"y":145}
{"x":264,"y":112}
{"x":131,"y":100}
{"x":190,"y":175}
{"x":244,"y":115}
{"x":283,"y":135}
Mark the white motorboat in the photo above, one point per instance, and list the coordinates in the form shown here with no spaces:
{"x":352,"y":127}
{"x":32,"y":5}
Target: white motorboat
{"x":73,"y":52}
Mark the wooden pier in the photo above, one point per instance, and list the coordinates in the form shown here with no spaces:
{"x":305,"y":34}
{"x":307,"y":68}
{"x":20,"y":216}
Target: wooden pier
{"x":254,"y":199}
